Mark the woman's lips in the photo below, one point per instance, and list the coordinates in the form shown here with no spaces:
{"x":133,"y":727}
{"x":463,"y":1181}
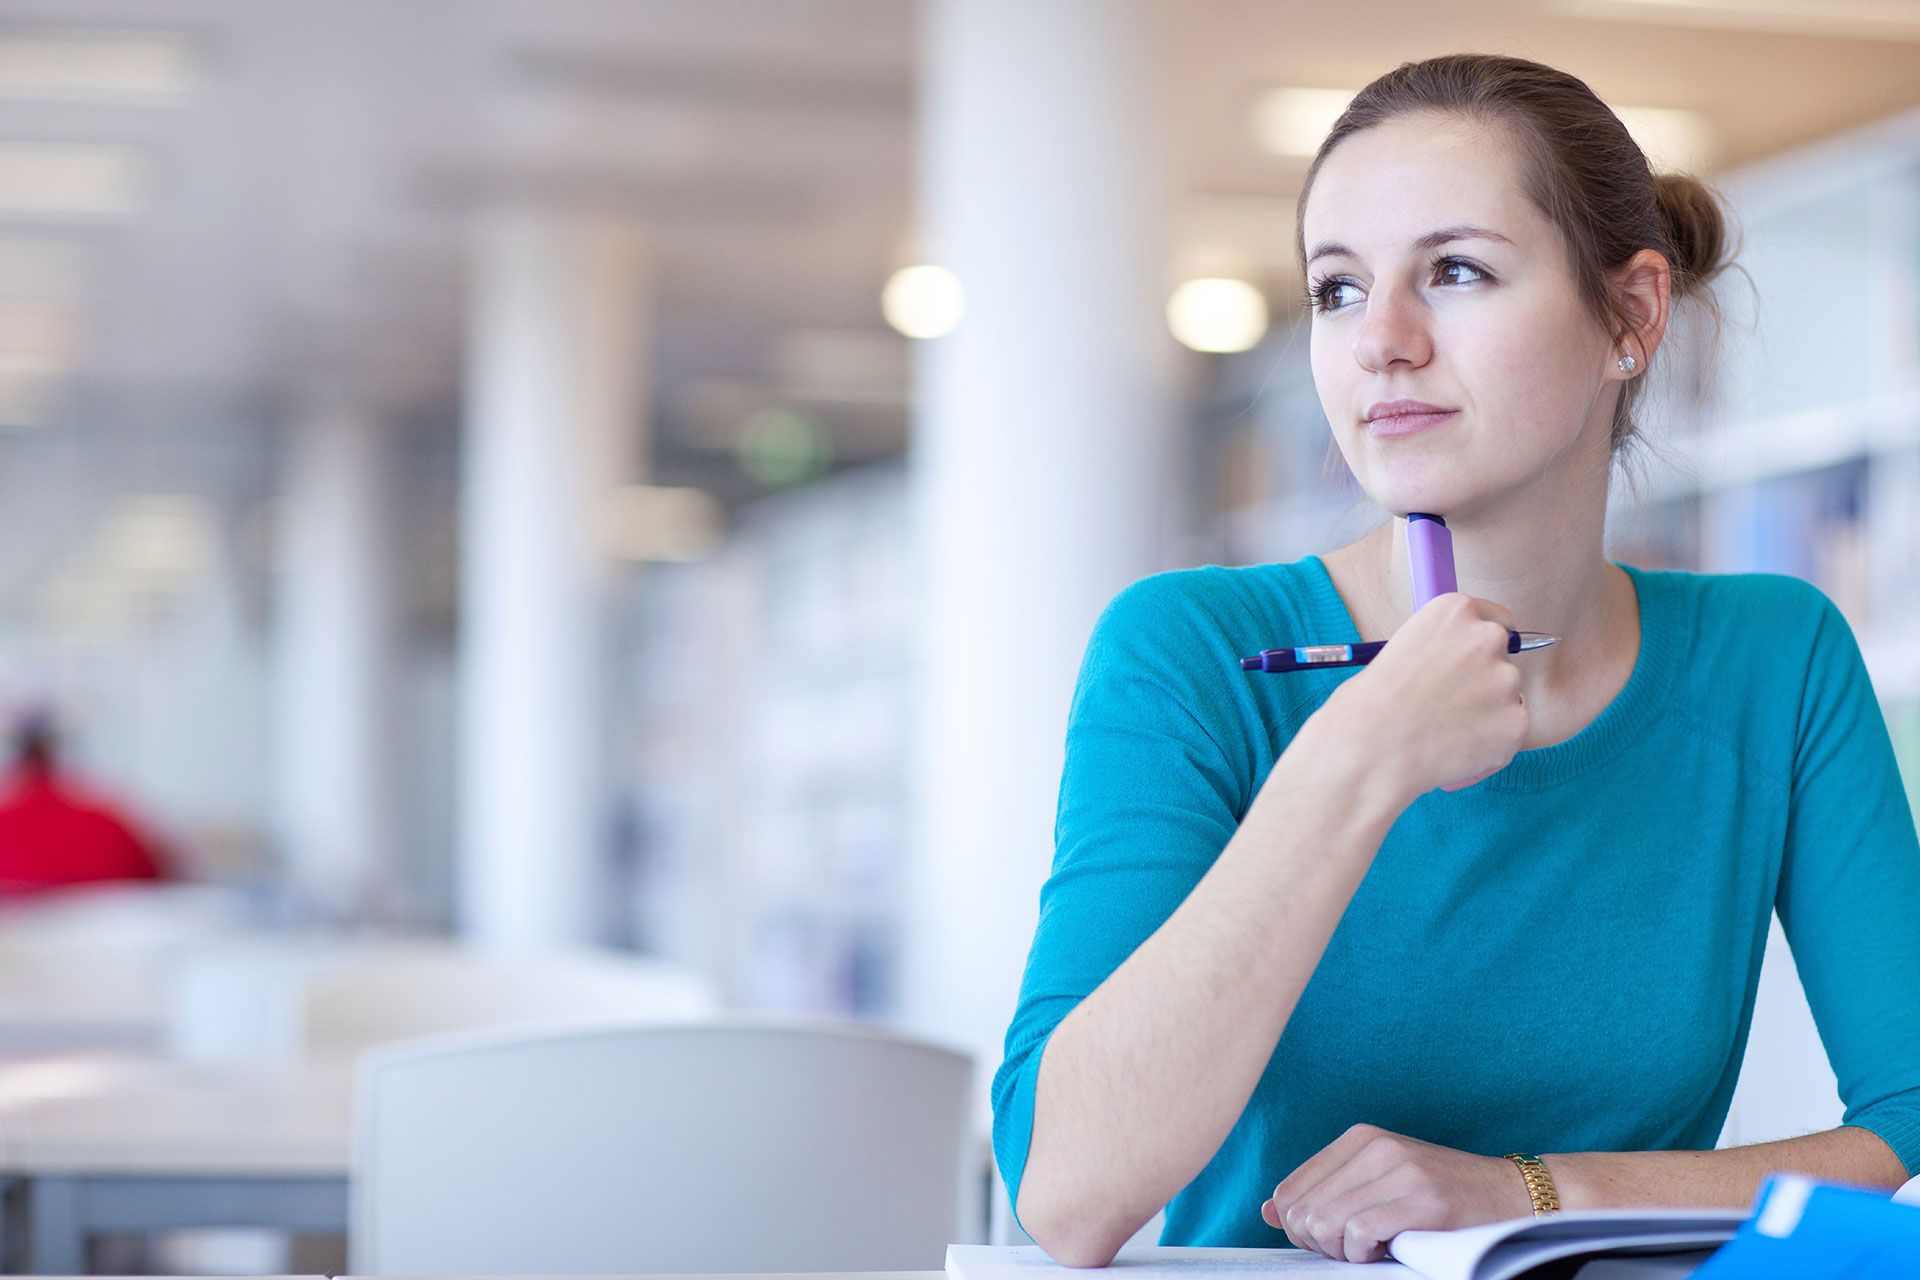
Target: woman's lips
{"x":1406,"y":424}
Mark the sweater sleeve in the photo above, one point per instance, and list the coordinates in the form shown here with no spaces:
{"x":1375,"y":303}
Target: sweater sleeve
{"x":1147,"y":801}
{"x":1849,"y":895}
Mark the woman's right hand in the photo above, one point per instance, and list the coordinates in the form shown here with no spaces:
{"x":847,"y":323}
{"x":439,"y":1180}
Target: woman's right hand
{"x":1441,"y":703}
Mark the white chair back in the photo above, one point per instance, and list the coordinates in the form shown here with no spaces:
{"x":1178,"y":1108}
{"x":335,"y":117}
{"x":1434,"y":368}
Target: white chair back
{"x":402,"y":993}
{"x":734,"y":1145}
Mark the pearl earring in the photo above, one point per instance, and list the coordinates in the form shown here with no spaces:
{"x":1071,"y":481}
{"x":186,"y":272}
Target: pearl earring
{"x":1626,"y":364}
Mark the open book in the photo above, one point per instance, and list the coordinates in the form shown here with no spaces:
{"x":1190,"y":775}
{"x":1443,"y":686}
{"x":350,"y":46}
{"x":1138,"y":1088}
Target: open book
{"x":1654,"y":1242}
{"x":1504,"y":1250}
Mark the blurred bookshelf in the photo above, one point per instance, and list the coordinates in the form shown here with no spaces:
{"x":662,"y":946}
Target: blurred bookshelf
{"x":766,"y":781}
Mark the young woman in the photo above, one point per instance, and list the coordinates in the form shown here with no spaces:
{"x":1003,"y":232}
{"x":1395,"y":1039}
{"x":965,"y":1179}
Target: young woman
{"x":1323,"y":953}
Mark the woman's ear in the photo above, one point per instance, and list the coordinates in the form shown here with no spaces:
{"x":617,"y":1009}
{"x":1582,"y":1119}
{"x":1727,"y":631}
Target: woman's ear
{"x":1644,"y":290}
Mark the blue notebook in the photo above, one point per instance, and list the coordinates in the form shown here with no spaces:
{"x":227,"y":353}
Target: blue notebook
{"x":1807,"y":1230}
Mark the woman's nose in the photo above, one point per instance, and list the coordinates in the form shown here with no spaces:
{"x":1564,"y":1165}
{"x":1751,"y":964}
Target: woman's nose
{"x":1394,"y":330}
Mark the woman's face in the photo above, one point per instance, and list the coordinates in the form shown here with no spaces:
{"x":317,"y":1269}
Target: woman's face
{"x":1440,"y":281}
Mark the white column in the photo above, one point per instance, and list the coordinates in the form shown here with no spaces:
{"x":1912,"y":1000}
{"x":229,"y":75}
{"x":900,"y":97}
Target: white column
{"x":335,"y":633}
{"x":1040,"y":456}
{"x":554,"y":409}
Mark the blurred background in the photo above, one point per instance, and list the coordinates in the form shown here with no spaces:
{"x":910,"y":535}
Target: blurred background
{"x":640,"y":475}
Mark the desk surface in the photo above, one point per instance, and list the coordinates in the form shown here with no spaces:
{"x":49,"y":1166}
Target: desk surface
{"x":107,"y":1113}
{"x":47,"y":1008}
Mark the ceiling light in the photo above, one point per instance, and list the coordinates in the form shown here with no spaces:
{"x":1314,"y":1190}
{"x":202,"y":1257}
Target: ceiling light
{"x":923,"y":301}
{"x":1217,"y":314}
{"x":1855,"y":19}
{"x":93,"y":66}
{"x":56,"y":179}
{"x":1675,"y":141}
{"x":1294,"y":122}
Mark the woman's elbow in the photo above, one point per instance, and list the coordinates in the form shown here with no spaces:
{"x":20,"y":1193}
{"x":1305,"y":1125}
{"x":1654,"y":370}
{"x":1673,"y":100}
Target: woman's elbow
{"x":1071,"y":1249}
{"x":1069,"y":1237}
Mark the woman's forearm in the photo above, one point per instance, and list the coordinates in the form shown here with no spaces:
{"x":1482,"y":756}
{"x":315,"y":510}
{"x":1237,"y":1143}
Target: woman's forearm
{"x":1141,"y":1083}
{"x":1728,"y":1177}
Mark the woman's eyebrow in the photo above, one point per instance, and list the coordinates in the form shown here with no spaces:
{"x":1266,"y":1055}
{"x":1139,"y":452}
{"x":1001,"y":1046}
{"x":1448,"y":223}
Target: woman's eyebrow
{"x":1431,"y":240}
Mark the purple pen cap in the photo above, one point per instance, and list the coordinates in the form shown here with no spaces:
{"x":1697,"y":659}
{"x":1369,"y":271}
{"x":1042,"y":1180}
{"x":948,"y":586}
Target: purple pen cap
{"x":1430,"y":554}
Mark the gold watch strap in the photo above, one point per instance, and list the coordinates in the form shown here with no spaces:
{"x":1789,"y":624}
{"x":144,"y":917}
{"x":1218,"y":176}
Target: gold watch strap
{"x":1539,"y":1183}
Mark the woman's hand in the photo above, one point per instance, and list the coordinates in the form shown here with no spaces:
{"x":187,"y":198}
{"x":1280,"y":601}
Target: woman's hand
{"x":1442,"y":701}
{"x":1368,"y":1185}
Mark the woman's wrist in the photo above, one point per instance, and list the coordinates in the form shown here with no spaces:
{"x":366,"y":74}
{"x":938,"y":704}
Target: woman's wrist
{"x":1339,"y":745}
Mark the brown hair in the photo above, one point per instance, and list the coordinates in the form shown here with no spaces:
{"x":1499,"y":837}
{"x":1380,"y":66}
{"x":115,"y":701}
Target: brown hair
{"x":1582,"y":168}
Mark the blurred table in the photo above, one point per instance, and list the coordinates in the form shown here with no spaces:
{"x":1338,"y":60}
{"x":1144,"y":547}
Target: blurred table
{"x":86,"y":968}
{"x":51,"y":1008}
{"x":101,"y":1142}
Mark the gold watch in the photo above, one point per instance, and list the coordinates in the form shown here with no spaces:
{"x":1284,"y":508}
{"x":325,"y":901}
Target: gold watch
{"x":1539,"y":1184}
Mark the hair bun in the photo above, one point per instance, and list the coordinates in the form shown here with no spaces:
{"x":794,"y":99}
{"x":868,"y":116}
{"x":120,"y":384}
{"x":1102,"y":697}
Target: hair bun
{"x":1695,"y":227}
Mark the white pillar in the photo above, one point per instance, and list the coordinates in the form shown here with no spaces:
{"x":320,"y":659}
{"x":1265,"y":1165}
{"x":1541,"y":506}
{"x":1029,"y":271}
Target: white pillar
{"x":554,"y":397}
{"x":1040,"y":456}
{"x":335,"y":633}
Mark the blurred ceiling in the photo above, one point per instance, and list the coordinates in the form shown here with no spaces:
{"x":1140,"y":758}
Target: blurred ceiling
{"x":295,"y":196}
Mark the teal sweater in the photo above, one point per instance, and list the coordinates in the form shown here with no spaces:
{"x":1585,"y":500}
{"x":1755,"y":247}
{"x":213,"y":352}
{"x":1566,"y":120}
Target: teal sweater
{"x":1559,"y":958}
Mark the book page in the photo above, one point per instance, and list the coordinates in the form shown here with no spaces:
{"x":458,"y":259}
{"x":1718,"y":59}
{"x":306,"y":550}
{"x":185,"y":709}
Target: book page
{"x":1029,"y":1262}
{"x":1501,"y":1250}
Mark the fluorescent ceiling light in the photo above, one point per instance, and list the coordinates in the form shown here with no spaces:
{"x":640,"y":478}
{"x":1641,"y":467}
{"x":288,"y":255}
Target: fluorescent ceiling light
{"x":69,"y":65}
{"x":1841,"y":19}
{"x":1674,"y":140}
{"x":1294,"y":121}
{"x":69,"y":179}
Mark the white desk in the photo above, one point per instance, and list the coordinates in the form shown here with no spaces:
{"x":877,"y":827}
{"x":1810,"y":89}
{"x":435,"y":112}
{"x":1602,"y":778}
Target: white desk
{"x":104,"y":1142}
{"x":57,"y":1008}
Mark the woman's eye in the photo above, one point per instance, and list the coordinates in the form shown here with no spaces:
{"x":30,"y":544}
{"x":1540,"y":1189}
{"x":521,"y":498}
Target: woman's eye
{"x":1327,"y":296}
{"x":1454,"y":264}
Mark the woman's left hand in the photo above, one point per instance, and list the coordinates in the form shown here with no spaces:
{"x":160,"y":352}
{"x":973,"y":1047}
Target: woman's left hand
{"x":1368,"y":1185}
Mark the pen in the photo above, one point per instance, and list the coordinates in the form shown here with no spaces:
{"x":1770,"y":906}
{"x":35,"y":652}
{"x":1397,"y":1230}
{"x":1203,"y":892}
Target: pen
{"x":1430,"y":557}
{"x":1313,"y":657}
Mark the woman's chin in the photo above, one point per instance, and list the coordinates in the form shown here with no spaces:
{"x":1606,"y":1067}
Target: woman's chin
{"x":1403,"y":494}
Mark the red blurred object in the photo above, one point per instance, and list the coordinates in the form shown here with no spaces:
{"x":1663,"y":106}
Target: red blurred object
{"x":54,"y":833}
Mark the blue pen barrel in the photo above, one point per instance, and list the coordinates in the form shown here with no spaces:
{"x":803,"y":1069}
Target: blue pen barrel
{"x":1311,"y":656}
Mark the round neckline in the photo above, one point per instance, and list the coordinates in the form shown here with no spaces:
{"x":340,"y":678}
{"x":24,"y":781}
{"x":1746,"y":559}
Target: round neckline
{"x":1617,"y":726}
